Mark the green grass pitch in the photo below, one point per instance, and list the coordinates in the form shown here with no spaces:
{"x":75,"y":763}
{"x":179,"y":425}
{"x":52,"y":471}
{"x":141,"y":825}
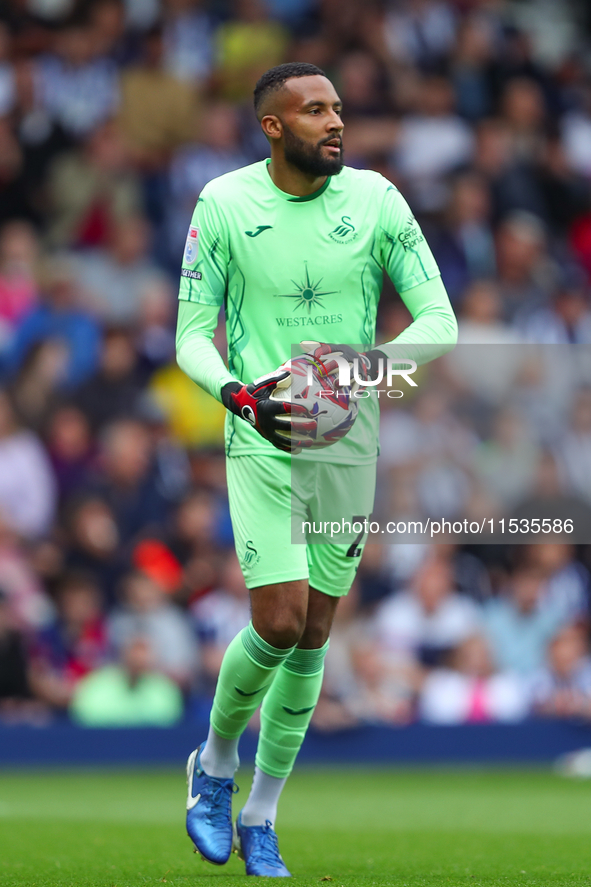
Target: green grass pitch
{"x":337,"y":828}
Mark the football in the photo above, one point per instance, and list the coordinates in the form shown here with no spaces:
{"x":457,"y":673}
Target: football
{"x":332,"y":406}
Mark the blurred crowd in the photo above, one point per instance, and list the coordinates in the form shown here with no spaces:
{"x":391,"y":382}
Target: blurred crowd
{"x":452,"y":635}
{"x":119,"y":588}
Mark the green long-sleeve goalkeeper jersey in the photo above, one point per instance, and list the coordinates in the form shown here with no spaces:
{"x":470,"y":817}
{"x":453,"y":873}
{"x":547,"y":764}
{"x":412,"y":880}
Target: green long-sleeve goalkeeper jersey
{"x":289,"y":269}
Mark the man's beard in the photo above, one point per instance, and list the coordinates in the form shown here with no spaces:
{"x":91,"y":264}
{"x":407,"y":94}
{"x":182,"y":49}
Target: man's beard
{"x":309,"y":158}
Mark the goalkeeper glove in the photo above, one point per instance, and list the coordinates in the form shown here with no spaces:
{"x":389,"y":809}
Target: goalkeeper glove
{"x":271,"y":418}
{"x":367,"y":361}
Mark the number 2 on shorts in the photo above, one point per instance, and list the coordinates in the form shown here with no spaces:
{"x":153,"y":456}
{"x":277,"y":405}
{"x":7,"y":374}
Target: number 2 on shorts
{"x":353,"y":550}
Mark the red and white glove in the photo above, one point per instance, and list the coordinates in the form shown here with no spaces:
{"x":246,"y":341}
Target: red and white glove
{"x":273,"y":419}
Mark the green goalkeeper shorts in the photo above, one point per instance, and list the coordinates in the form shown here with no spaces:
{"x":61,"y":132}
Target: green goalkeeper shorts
{"x":277,"y":510}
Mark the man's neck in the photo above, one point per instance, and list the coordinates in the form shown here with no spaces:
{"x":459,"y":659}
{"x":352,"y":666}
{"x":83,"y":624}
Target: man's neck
{"x":292,"y":180}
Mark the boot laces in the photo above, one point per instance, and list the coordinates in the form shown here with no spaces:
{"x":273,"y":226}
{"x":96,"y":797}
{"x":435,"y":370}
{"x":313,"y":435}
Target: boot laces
{"x":266,"y":848}
{"x":221,"y":799}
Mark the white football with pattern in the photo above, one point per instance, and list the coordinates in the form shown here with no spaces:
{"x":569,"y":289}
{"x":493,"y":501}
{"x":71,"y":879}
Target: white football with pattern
{"x":332,"y":406}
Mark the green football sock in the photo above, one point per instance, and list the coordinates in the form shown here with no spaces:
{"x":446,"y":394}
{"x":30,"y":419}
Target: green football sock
{"x":287,"y":710}
{"x":247,"y":671}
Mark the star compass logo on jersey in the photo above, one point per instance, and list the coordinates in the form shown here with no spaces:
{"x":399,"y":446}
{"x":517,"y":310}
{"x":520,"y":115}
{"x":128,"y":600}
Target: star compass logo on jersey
{"x":308,"y":295}
{"x":191,"y":246}
{"x":344,"y":232}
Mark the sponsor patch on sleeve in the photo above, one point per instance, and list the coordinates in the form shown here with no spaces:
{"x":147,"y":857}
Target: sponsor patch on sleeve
{"x":194,"y":275}
{"x":191,"y":246}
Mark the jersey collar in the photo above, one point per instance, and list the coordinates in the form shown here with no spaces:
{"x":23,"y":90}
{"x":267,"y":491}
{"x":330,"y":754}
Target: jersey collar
{"x":290,"y":197}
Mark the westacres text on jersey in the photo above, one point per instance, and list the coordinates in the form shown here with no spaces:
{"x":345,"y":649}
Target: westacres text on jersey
{"x":322,"y":320}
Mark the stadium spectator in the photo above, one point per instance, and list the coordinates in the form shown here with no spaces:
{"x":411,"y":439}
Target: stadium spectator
{"x":246,"y":45}
{"x":171,"y":463}
{"x":505,"y":464}
{"x":128,"y":480}
{"x":77,"y":88}
{"x":464,"y":247}
{"x":484,"y":377}
{"x":27,"y":600}
{"x":58,"y":319}
{"x":494,"y":160}
{"x":562,"y":688}
{"x":368,"y":107}
{"x":92,"y":542}
{"x":426,"y":621}
{"x":471,"y":67}
{"x":40,"y":137}
{"x":90,"y":189}
{"x":568,"y":584}
{"x":187,"y":36}
{"x":428,"y":431}
{"x":470,"y":691}
{"x":524,"y":268}
{"x":566,"y":320}
{"x":154,"y":339}
{"x":480,"y":323}
{"x":195,"y":524}
{"x":35,"y":390}
{"x":430,"y":446}
{"x":19,"y":255}
{"x":145,"y":612}
{"x":421,"y":34}
{"x":542,"y":185}
{"x":114,"y":390}
{"x":28,"y":491}
{"x":111,"y":40}
{"x":71,"y":450}
{"x":214,"y":150}
{"x":196,"y":541}
{"x":564,"y":193}
{"x":128,"y":694}
{"x":364,"y":682}
{"x":219,"y":616}
{"x":550,"y":497}
{"x":74,"y":645}
{"x":112,"y":281}
{"x":157,"y":110}
{"x":471,"y":577}
{"x":523,"y":110}
{"x":520,"y":622}
{"x":434,"y":123}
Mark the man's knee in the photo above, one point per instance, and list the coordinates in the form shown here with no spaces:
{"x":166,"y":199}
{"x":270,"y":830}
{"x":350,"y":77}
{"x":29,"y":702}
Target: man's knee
{"x":281,"y":629}
{"x":314,"y":636}
{"x":279,"y":613}
{"x":321,"y":610}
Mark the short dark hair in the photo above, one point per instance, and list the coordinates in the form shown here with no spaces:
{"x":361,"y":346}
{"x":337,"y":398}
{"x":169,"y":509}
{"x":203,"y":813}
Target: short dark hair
{"x":274,"y":78}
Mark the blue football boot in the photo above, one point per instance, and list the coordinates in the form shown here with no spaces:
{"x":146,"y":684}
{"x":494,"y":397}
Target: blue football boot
{"x":257,"y":846}
{"x":209,"y":811}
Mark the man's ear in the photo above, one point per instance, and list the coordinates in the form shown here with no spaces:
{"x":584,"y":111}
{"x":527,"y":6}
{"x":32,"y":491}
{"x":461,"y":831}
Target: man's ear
{"x":272,"y":126}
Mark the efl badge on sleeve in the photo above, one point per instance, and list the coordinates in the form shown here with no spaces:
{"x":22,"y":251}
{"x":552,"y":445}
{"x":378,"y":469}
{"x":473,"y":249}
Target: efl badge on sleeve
{"x":191,"y":246}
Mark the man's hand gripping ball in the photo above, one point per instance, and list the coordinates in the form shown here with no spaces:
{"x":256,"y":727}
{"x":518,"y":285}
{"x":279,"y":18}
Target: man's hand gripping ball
{"x":275,"y":420}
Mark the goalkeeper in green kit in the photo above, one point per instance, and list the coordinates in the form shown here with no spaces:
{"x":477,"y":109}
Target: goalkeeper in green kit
{"x":294,"y":249}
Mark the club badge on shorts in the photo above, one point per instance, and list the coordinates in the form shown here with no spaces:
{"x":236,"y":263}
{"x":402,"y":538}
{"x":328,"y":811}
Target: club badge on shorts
{"x":191,"y":246}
